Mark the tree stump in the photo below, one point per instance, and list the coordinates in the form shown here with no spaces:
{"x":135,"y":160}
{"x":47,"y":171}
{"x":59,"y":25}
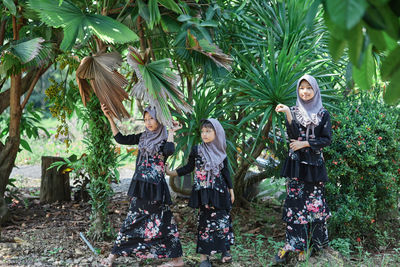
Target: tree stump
{"x":54,"y":185}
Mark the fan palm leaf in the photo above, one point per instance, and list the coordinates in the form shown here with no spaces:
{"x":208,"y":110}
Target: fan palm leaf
{"x":16,"y":55}
{"x":156,"y":84}
{"x":78,"y":25}
{"x":104,"y":80}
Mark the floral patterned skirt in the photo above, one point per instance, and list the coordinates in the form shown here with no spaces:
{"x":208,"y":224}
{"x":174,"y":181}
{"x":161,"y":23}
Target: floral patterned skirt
{"x":149,"y":231}
{"x":214,"y":232}
{"x":305,"y":202}
{"x":305,"y":212}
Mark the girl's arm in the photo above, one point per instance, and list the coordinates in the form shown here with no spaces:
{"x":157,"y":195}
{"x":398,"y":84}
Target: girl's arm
{"x":169,"y":147}
{"x":132,"y":139}
{"x":188,"y":168}
{"x":227,"y":176}
{"x":325,"y":137}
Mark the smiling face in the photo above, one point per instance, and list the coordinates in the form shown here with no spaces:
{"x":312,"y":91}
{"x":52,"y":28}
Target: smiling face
{"x":207,"y":133}
{"x":306,"y":91}
{"x":150,"y":123}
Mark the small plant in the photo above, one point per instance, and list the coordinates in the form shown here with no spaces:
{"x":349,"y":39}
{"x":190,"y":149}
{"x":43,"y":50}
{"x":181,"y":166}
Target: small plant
{"x":342,"y":245}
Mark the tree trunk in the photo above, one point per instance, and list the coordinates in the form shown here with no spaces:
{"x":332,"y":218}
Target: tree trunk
{"x":55,"y":184}
{"x":26,"y":83}
{"x":10,"y":149}
{"x":240,"y":183}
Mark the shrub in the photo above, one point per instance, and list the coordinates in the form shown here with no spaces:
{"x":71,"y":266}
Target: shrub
{"x":363,"y":168}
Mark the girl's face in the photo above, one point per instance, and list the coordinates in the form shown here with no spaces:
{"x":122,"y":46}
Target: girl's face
{"x":207,"y":134}
{"x":306,"y":92}
{"x":150,"y":123}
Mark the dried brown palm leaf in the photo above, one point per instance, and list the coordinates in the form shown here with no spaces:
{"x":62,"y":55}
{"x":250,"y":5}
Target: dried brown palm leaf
{"x":105,"y":81}
{"x":210,"y":50}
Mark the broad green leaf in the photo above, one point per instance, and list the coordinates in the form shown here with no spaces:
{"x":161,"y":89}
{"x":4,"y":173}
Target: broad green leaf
{"x":391,"y":64}
{"x":355,"y":43}
{"x":390,"y":42}
{"x":374,"y":18}
{"x":346,"y":13}
{"x":340,"y":33}
{"x":209,"y":23}
{"x":171,"y":5}
{"x":78,"y":25}
{"x":25,"y":145}
{"x":10,"y":6}
{"x":170,"y":25}
{"x":364,"y":75}
{"x":377,"y":38}
{"x":183,"y":18}
{"x":391,"y":21}
{"x":110,"y":30}
{"x":336,"y":47}
{"x":392,"y":92}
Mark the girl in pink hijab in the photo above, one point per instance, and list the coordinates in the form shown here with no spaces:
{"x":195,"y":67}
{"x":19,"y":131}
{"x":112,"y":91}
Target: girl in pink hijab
{"x":305,"y":211}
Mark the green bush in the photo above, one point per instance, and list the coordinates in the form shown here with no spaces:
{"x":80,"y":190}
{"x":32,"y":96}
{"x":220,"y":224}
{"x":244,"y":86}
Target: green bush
{"x":363,"y":168}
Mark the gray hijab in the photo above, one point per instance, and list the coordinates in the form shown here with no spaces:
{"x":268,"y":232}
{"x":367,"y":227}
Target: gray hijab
{"x":214,"y":153}
{"x":308,"y":112}
{"x":150,"y":141}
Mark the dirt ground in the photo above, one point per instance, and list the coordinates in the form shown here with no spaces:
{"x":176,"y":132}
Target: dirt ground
{"x":49,"y":235}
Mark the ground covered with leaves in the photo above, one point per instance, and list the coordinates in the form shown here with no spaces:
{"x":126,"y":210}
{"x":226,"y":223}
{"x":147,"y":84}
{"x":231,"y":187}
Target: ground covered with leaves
{"x":48,"y":235}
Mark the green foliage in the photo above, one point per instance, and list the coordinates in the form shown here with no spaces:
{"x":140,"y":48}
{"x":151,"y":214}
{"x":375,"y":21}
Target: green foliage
{"x":342,"y":245}
{"x":62,"y":97}
{"x":78,"y":25}
{"x":100,"y":164}
{"x":272,"y":51}
{"x":363,"y":167}
{"x":369,"y":29}
{"x":29,"y":126}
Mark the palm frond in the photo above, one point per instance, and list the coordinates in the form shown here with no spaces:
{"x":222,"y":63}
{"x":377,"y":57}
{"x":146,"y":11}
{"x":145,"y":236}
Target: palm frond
{"x":80,"y":25}
{"x":106,"y":82}
{"x":156,"y":84}
{"x":21,"y":54}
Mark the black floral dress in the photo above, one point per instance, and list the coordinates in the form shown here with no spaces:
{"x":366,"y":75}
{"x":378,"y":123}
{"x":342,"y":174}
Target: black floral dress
{"x":305,"y":209}
{"x":212,"y":197}
{"x":149,"y":230}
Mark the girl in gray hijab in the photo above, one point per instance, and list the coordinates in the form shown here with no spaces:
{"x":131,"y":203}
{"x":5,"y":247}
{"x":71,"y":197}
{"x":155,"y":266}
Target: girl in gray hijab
{"x":149,"y":230}
{"x":305,"y":211}
{"x":212,"y":192}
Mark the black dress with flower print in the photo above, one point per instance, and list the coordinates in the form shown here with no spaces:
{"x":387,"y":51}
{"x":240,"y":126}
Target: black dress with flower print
{"x":212,"y":197}
{"x":308,"y":163}
{"x":149,"y":229}
{"x":148,"y":181}
{"x":214,"y":192}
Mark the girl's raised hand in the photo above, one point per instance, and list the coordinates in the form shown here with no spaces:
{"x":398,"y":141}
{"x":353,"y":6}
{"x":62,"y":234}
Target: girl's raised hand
{"x":282,"y":108}
{"x":176,"y":126}
{"x":168,"y":170}
{"x":106,"y":111}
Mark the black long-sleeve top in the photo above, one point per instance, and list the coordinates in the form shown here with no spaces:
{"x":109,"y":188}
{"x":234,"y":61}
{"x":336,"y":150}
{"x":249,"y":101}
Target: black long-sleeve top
{"x":156,"y":188}
{"x":308,"y":163}
{"x":216,"y":193}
